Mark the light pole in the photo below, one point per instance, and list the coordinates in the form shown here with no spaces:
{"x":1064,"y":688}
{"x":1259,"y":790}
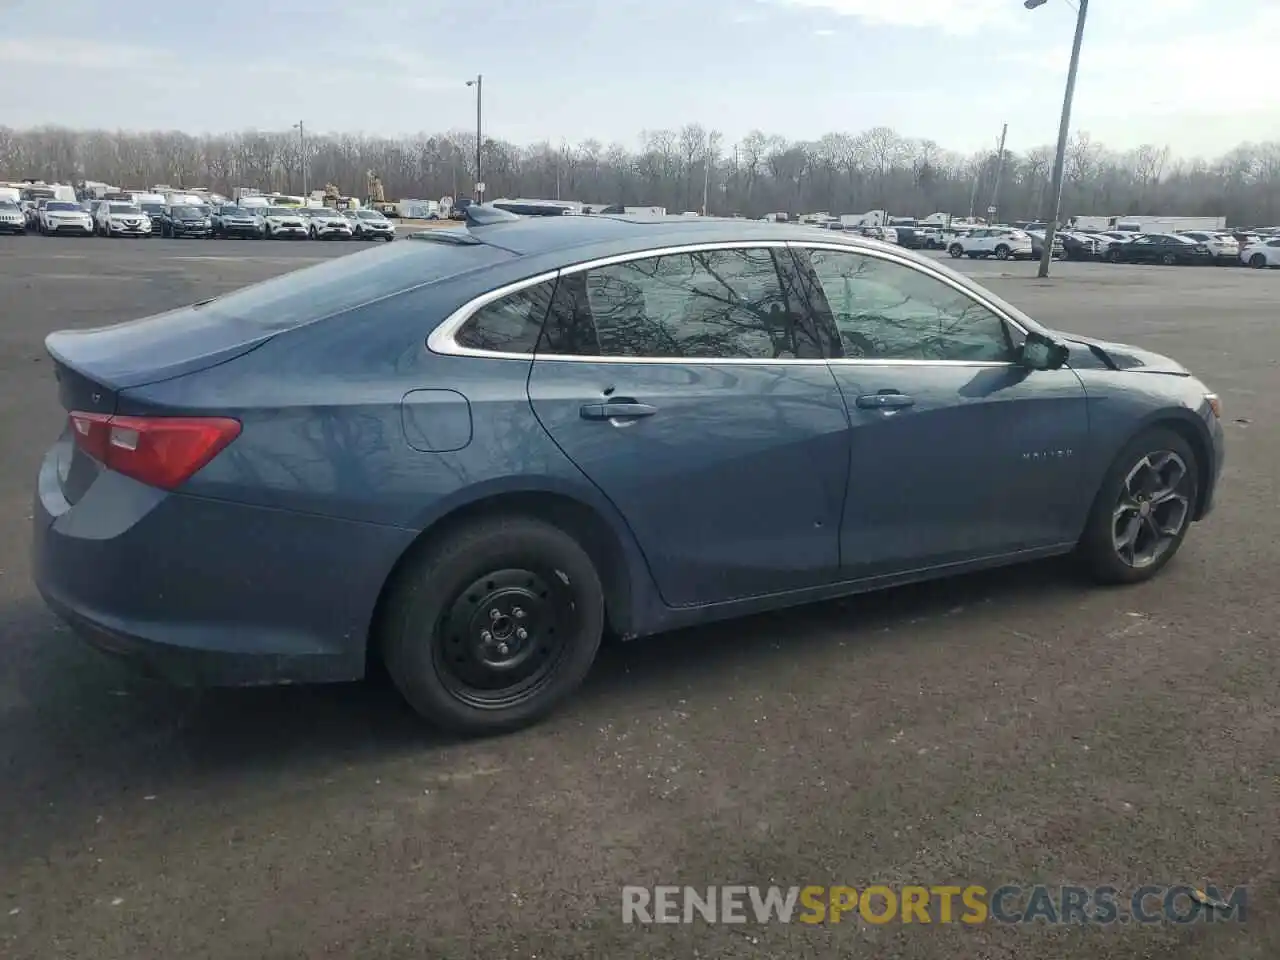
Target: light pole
{"x":1059,"y":160}
{"x":302,"y":152}
{"x":478,"y":83}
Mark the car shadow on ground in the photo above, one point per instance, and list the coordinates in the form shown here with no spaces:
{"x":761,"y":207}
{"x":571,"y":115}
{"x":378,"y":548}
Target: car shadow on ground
{"x":82,"y":710}
{"x":79,"y":730}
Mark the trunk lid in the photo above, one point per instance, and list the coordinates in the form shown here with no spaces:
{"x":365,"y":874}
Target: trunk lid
{"x":105,"y":360}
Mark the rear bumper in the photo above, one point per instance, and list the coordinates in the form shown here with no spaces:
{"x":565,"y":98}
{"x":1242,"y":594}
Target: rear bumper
{"x":209,"y":593}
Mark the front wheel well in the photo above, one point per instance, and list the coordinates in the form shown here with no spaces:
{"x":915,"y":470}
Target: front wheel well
{"x":582,"y":522}
{"x":1203,"y":453}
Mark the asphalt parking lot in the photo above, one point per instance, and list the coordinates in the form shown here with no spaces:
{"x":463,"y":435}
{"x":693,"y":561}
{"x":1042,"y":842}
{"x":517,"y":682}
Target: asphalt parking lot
{"x":1013,"y":727}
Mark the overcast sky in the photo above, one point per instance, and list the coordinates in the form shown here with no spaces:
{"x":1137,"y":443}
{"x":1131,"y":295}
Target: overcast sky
{"x":1192,"y":74}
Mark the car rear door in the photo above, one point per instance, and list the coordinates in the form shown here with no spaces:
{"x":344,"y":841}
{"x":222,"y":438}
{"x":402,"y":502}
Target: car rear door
{"x":957,"y":452}
{"x":690,"y":389}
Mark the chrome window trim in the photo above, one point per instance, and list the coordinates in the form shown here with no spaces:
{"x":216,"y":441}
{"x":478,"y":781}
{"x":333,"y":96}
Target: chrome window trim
{"x":441,"y":339}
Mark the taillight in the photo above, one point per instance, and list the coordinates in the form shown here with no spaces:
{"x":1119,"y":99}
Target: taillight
{"x":159,"y":451}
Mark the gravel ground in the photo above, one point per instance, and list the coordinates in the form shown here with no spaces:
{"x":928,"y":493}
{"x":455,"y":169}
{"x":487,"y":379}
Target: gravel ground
{"x":1015,"y":727}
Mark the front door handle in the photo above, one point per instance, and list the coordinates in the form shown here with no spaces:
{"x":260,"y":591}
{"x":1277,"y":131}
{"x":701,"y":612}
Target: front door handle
{"x":617,"y":410}
{"x":885,"y":400}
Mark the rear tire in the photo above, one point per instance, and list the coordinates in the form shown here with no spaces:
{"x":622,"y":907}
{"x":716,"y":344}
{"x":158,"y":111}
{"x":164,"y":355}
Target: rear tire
{"x":1157,"y":461}
{"x":1258,"y":261}
{"x":1168,"y":259}
{"x":456,"y":619}
{"x":1002,"y":252}
{"x":1113,"y":256}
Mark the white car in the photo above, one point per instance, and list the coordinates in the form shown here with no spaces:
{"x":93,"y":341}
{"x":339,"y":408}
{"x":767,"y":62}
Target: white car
{"x":115,"y":218}
{"x":12,"y":218}
{"x":1262,"y":254}
{"x":65,"y":216}
{"x":372,"y":225}
{"x":286,"y":222}
{"x":327,"y":224}
{"x":1003,"y":243}
{"x":1224,"y":247}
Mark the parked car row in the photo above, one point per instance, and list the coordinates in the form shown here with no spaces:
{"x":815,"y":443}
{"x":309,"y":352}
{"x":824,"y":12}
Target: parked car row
{"x":1114,"y":246}
{"x":122,"y":218}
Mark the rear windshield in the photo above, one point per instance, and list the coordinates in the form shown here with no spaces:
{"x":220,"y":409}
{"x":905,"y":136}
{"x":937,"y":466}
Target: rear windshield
{"x":337,"y":285}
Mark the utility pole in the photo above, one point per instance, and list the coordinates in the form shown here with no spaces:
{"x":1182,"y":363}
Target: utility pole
{"x":706,"y":174}
{"x":302,"y":152}
{"x":995,"y":193}
{"x":478,"y":83}
{"x":973,"y":196}
{"x":1064,"y":129}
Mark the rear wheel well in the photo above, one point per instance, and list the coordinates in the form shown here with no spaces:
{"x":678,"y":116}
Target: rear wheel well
{"x":1203,"y":455}
{"x":584,"y":524}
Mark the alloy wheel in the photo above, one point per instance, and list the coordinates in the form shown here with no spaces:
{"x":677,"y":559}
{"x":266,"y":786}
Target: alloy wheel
{"x":1152,"y":511}
{"x":498,"y":643}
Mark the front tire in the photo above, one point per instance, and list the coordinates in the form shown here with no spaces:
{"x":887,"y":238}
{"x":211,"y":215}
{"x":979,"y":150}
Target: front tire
{"x":1002,"y":252}
{"x":1142,"y":510}
{"x":1168,"y":259}
{"x":492,"y":627}
{"x":956,"y":251}
{"x":1258,"y":261}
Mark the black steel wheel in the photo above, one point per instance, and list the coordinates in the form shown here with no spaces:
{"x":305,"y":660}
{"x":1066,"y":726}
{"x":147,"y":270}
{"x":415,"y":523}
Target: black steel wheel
{"x":502,"y":637}
{"x":1143,"y":509}
{"x":490,"y":628}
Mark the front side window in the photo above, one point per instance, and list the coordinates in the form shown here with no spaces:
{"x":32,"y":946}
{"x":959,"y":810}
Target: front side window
{"x":708,"y":304}
{"x":509,"y":325}
{"x":888,"y":311}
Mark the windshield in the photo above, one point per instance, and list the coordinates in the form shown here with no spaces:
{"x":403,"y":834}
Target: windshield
{"x":187,"y":212}
{"x":8,"y":205}
{"x":370,"y":215}
{"x":125,"y":208}
{"x":61,"y":205}
{"x":281,"y":212}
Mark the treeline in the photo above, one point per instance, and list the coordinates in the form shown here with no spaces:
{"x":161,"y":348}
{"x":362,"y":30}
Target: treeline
{"x":839,"y":173}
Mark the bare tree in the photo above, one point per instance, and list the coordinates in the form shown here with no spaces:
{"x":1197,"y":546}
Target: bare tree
{"x":837,"y":172}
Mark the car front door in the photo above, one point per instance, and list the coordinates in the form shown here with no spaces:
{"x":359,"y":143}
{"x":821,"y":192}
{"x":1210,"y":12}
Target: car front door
{"x":690,"y":389}
{"x":958,"y":452}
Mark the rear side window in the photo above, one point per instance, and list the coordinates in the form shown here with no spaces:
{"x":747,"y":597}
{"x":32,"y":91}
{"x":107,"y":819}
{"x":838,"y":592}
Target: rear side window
{"x":709,"y":304}
{"x":344,"y":283}
{"x":509,"y":325}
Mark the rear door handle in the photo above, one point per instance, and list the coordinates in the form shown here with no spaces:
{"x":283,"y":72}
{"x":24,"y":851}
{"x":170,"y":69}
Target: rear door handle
{"x":886,"y":400}
{"x":617,"y":410}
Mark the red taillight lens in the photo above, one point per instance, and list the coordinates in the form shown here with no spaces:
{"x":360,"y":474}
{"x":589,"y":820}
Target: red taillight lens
{"x":160,"y":451}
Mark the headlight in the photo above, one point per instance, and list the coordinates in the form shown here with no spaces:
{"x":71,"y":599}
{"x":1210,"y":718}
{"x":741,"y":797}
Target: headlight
{"x":1215,"y":404}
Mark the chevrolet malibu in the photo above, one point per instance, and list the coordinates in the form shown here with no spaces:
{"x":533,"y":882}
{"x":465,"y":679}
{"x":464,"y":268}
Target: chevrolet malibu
{"x":473,"y":454}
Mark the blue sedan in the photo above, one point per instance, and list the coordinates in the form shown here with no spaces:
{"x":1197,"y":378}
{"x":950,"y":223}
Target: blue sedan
{"x":474,"y":453}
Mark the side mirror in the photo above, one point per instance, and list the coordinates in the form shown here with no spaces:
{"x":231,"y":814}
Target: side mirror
{"x":1043,"y":353}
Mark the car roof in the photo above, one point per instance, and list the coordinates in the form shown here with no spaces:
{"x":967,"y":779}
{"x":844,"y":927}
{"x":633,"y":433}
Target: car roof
{"x":533,"y":236}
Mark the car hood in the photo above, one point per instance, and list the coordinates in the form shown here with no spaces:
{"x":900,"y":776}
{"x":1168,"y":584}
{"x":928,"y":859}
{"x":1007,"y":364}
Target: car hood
{"x":1088,"y":353}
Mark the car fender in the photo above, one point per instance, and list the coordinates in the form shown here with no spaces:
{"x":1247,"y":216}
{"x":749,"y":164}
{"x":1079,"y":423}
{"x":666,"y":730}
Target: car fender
{"x":639,"y":605}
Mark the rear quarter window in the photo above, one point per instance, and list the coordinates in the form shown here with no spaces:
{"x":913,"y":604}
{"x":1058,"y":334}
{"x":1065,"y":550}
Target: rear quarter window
{"x":341,"y":284}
